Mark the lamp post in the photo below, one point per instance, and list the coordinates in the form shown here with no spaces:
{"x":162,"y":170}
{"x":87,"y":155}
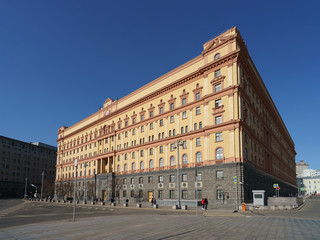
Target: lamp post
{"x":75,"y":188}
{"x":35,"y":188}
{"x":42,"y":184}
{"x":178,"y":143}
{"x":85,"y":192}
{"x":25,"y":188}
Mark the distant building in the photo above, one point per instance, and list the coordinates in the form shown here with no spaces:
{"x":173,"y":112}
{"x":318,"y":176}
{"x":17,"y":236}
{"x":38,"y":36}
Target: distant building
{"x":231,"y":133}
{"x":22,"y":162}
{"x":308,"y":180}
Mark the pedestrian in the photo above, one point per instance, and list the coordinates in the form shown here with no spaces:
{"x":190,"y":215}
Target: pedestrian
{"x":203,"y":203}
{"x":206,"y":203}
{"x":154,"y":201}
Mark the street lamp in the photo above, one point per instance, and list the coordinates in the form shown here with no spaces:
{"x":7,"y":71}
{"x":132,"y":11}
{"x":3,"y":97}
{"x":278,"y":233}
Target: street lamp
{"x":178,"y":143}
{"x":35,"y":188}
{"x":42,"y":184}
{"x":85,"y":192}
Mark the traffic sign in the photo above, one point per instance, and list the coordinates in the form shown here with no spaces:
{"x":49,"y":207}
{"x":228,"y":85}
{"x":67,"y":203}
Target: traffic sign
{"x":235,"y":180}
{"x":76,"y":162}
{"x":275,"y":185}
{"x":302,"y":189}
{"x":278,"y":188}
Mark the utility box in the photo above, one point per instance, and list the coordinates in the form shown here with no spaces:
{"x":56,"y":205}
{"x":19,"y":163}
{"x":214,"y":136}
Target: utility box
{"x":258,"y":197}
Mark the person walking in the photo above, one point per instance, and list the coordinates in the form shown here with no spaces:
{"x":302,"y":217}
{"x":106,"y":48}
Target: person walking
{"x":206,"y":203}
{"x":203,"y":203}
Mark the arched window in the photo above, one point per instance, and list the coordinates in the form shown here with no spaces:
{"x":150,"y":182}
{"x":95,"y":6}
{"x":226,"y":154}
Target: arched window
{"x":200,"y":125}
{"x":118,"y":168}
{"x":219,"y":153}
{"x":161,"y":162}
{"x":220,"y":193}
{"x":195,"y":127}
{"x":181,"y":130}
{"x":217,"y":56}
{"x":133,"y":166}
{"x":125,"y":156}
{"x":174,"y":132}
{"x":125,"y":167}
{"x":141,"y":165}
{"x":198,"y":157}
{"x":184,"y":159}
{"x":151,"y":163}
{"x":172,"y":161}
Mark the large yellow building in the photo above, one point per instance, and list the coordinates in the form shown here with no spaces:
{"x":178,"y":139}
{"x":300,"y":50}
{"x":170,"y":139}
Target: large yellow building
{"x":220,"y":109}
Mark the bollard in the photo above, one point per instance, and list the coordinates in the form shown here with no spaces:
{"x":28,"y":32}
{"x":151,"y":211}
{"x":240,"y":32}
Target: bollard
{"x":243,"y":206}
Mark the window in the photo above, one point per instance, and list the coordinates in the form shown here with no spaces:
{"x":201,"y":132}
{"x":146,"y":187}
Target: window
{"x":126,"y":123}
{"x":171,"y":106}
{"x":184,"y":144}
{"x":219,"y":153}
{"x":172,"y":119}
{"x":141,"y":153}
{"x":151,"y":126}
{"x":151,"y":151}
{"x":126,"y":134}
{"x":184,"y":101}
{"x":217,"y":87}
{"x":218,"y":119}
{"x":133,"y":155}
{"x":124,"y":181}
{"x":142,"y":128}
{"x":198,"y":142}
{"x":198,"y":157}
{"x":132,"y":193}
{"x":141,"y":165}
{"x":140,"y":180}
{"x":184,"y":115}
{"x":220,"y":194}
{"x":182,"y":130}
{"x":186,"y":129}
{"x":200,"y":125}
{"x":217,"y":56}
{"x":198,"y":110}
{"x":160,"y":179}
{"x":161,"y":149}
{"x":184,"y":159}
{"x":151,"y":114}
{"x":151,"y":163}
{"x":217,"y":103}
{"x":199,"y":176}
{"x":171,"y":178}
{"x":199,"y":194}
{"x":198,"y":96}
{"x":140,"y":193}
{"x":217,"y":73}
{"x":219,"y":175}
{"x":134,"y":131}
{"x":142,"y":117}
{"x":184,"y":177}
{"x":150,"y":179}
{"x":133,"y":120}
{"x":132,"y":181}
{"x":160,"y":194}
{"x":184,"y":194}
{"x":161,"y":122}
{"x":172,"y":147}
{"x":133,"y":166}
{"x":161,"y":162}
{"x":195,"y":126}
{"x":172,"y":161}
{"x":161,"y":110}
{"x":118,"y":168}
{"x":171,"y":194}
{"x":219,"y":137}
{"x":174,"y":132}
{"x":124,"y":193}
{"x":169,"y":133}
{"x":125,"y":168}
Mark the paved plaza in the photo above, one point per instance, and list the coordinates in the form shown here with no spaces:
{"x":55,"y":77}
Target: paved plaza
{"x":133,"y":223}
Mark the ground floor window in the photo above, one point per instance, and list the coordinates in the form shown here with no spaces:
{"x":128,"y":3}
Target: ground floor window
{"x":124,"y":194}
{"x":220,"y":194}
{"x":132,"y":193}
{"x":160,"y":194}
{"x":184,"y":194}
{"x":140,"y":193}
{"x":199,"y":194}
{"x":171,"y":194}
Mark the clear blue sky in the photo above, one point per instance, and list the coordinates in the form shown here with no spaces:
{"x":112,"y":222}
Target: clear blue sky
{"x":60,"y":60}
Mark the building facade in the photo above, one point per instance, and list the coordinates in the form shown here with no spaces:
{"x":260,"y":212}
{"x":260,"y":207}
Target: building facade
{"x":23,"y":163}
{"x":219,"y":109}
{"x":308,"y":180}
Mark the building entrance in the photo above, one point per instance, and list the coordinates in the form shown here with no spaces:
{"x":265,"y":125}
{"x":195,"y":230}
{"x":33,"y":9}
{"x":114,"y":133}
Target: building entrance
{"x":150,"y":196}
{"x":104,"y":195}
